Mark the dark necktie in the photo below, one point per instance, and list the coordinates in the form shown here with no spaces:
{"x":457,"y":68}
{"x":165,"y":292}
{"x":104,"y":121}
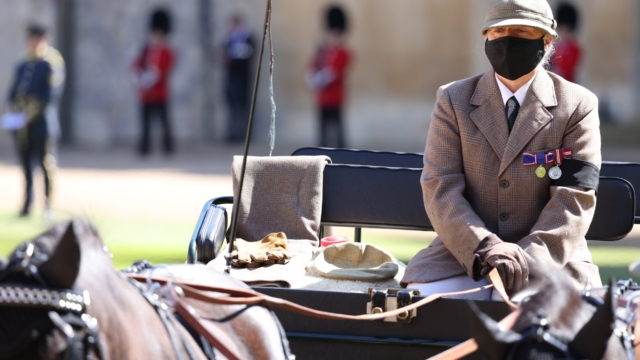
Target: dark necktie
{"x":512,"y":111}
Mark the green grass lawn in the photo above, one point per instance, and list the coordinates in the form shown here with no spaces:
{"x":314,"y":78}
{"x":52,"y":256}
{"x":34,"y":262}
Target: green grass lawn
{"x":162,"y":241}
{"x":129,"y":240}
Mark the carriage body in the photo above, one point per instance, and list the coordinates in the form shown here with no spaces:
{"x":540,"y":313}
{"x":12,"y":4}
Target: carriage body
{"x":371,"y":189}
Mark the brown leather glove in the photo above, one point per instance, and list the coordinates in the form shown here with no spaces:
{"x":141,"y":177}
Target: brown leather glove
{"x":509,"y":259}
{"x":270,"y":250}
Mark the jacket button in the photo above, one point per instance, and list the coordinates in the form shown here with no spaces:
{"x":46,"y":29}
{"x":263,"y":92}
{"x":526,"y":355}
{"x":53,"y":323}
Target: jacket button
{"x":504,"y":216}
{"x":504,"y":184}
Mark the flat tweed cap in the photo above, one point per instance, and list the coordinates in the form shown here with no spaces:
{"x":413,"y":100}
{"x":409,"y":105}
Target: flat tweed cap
{"x":535,"y":13}
{"x":356,"y":261}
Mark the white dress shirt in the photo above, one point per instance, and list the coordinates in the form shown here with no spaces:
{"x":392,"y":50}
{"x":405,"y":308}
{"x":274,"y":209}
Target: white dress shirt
{"x":519,"y":94}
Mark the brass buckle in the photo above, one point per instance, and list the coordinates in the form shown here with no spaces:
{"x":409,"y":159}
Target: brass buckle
{"x":383,"y":300}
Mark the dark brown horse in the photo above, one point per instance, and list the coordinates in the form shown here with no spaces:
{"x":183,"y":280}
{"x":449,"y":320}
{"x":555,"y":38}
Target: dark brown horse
{"x":557,"y":322}
{"x":119,"y":322}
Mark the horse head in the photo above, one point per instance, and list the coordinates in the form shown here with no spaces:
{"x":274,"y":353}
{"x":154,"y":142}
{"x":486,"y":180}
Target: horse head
{"x":42,"y":304}
{"x":60,"y":297}
{"x":555,"y":322}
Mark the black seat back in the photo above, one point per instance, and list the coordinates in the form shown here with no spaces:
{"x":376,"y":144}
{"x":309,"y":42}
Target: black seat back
{"x":615,"y":210}
{"x":365,"y":157}
{"x":377,"y":197}
{"x":624,"y":170}
{"x":387,"y":197}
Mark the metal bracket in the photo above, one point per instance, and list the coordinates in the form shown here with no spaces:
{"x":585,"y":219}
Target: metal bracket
{"x":391,"y":299}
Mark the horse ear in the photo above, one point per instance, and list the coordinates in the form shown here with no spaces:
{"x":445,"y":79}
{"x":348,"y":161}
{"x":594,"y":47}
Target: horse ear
{"x":63,"y":265}
{"x":492,"y":341}
{"x":591,"y":341}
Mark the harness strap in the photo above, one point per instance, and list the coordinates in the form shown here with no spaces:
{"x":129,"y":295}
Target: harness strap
{"x":177,"y":325}
{"x":165,"y":318}
{"x":220,"y":341}
{"x":246,"y":297}
{"x":200,"y":292}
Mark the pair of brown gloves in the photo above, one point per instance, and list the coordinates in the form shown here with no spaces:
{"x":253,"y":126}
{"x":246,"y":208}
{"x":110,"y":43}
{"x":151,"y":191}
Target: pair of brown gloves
{"x":272,"y":249}
{"x":509,"y":259}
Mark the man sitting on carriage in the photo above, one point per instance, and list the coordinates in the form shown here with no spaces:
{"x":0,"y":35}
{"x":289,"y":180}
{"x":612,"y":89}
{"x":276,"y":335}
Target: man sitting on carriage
{"x":511,"y":164}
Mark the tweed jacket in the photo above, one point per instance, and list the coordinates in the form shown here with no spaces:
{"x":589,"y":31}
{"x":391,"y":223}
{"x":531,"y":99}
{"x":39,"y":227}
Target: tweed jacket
{"x":474,"y":182}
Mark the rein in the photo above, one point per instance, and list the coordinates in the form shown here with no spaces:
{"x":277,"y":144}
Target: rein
{"x":201,"y":291}
{"x":175,"y":291}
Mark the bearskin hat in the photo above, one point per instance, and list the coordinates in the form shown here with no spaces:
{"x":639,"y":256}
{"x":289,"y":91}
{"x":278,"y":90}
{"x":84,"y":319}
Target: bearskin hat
{"x":161,"y":21}
{"x":567,"y":15}
{"x":336,"y":19}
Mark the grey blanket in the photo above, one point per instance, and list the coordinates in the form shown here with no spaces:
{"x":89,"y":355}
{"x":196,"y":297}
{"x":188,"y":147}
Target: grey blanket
{"x":279,"y":194}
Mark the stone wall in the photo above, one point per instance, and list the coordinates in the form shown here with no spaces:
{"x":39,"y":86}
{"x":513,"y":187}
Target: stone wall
{"x":110,"y":34}
{"x":403,"y":51}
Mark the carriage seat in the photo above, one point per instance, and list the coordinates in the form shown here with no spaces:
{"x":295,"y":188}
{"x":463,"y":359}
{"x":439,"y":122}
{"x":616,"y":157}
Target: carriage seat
{"x":624,"y":170}
{"x":370,"y":196}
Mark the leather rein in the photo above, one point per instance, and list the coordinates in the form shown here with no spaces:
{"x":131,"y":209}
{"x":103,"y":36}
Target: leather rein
{"x":177,"y":290}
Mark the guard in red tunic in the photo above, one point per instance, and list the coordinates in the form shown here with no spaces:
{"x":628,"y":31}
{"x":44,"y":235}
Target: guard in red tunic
{"x":566,"y":58}
{"x":326,"y":75}
{"x":151,"y":76}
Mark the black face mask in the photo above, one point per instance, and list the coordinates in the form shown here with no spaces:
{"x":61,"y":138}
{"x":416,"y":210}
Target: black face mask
{"x":513,"y":57}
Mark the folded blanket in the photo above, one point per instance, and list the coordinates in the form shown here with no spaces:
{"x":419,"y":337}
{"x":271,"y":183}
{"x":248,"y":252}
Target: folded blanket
{"x":280,"y":194}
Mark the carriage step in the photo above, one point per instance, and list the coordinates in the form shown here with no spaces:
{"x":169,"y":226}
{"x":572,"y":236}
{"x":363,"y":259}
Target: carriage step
{"x":383,"y":300}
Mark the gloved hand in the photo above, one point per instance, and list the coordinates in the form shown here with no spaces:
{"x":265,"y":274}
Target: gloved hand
{"x":270,"y":250}
{"x":509,"y":259}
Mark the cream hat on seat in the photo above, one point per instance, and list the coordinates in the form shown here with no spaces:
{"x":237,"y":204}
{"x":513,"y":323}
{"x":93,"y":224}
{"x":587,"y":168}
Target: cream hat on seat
{"x":534,"y":13}
{"x":356,"y":261}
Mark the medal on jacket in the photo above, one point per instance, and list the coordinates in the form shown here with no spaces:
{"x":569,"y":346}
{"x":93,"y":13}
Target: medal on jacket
{"x":554,"y":156}
{"x":558,"y":154}
{"x":555,"y":173}
{"x":529,"y":159}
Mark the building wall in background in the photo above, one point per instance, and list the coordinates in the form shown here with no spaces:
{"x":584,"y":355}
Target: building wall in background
{"x":110,"y":35}
{"x":403,"y":51}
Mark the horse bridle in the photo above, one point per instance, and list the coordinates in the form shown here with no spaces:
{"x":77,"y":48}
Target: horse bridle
{"x":67,"y":309}
{"x":540,"y":331}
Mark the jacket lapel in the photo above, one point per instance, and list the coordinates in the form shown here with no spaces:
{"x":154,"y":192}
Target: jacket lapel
{"x":490,"y":117}
{"x":532,"y":117}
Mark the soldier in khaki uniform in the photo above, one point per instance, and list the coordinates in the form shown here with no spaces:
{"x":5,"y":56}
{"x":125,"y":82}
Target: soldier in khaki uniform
{"x":511,"y":164}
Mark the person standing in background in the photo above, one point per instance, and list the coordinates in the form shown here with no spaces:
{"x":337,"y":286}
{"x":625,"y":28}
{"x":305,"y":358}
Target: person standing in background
{"x":151,"y":72}
{"x":52,"y":113}
{"x":36,"y":88}
{"x":566,"y":58}
{"x":326,"y":75}
{"x":238,"y":55}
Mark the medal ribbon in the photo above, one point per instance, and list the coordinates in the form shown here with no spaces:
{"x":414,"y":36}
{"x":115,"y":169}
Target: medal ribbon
{"x":556,"y":156}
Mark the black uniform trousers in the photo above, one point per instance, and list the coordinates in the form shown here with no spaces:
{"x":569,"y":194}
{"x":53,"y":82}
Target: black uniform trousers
{"x":148,"y":112}
{"x":331,"y":128}
{"x":34,"y":151}
{"x":238,"y":100}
